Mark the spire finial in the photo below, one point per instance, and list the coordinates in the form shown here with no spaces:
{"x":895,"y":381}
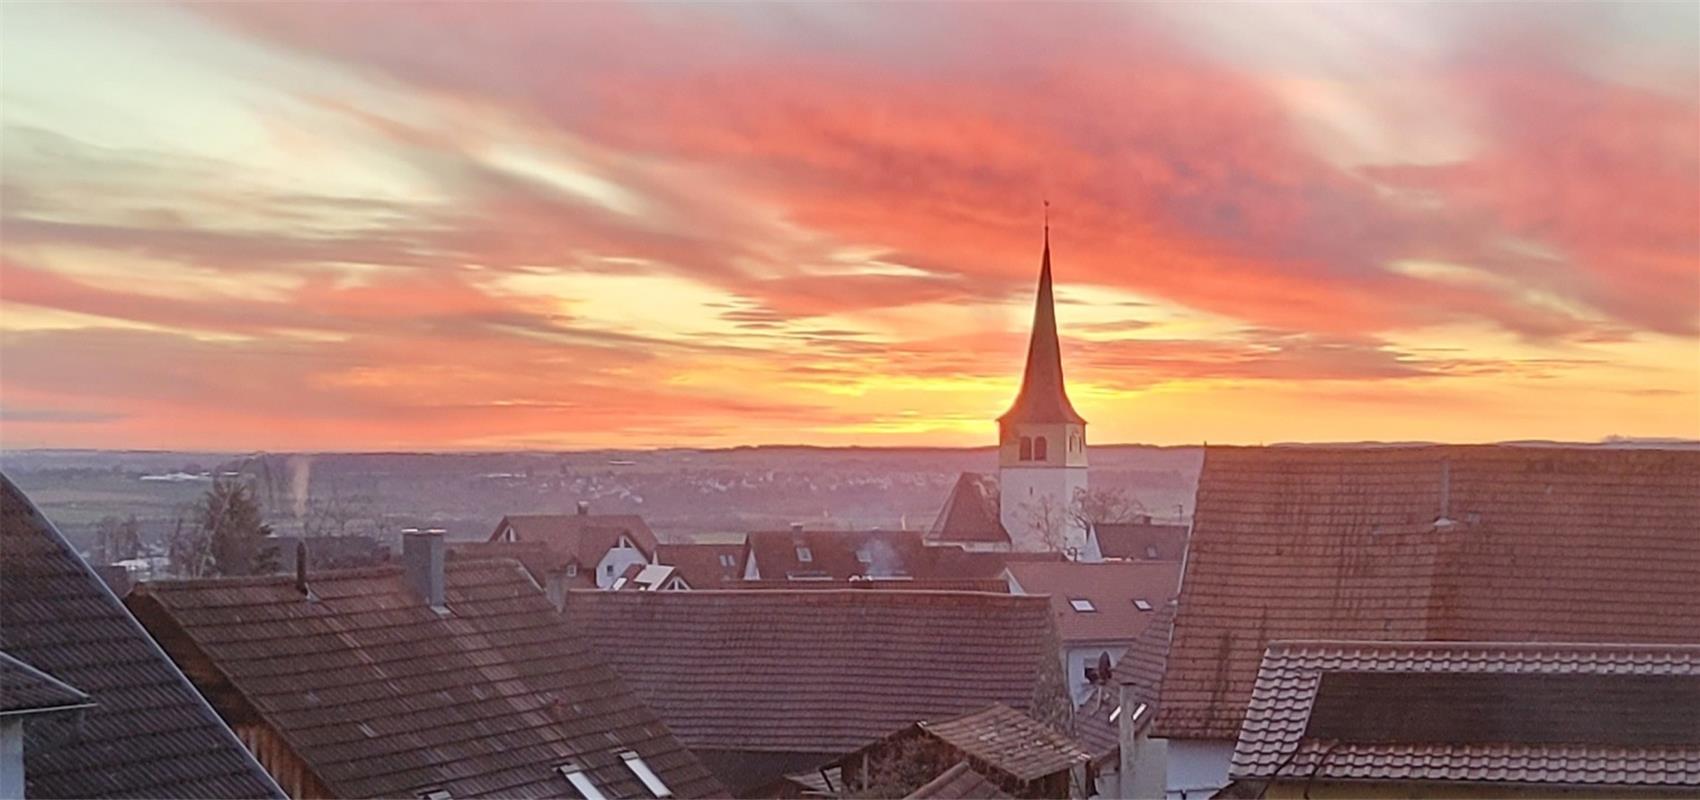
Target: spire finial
{"x":1047,"y":222}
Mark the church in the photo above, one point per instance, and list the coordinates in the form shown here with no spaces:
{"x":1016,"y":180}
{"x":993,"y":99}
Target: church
{"x":1041,"y":459}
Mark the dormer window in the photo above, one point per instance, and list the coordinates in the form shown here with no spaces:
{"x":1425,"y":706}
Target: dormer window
{"x":651,"y":781}
{"x":574,"y":773}
{"x":510,"y":535}
{"x":804,"y":554}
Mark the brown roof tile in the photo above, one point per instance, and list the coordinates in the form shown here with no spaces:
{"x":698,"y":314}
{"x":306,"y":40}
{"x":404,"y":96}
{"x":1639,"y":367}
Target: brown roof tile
{"x":1112,"y":589}
{"x":960,"y":782}
{"x":703,"y":566}
{"x":1141,"y":540}
{"x":149,"y":734}
{"x":1533,"y":544}
{"x":1552,"y":714}
{"x":970,"y":513}
{"x":839,"y":555}
{"x":586,"y":537}
{"x":383,"y":697}
{"x":820,"y":671}
{"x":1009,"y":741}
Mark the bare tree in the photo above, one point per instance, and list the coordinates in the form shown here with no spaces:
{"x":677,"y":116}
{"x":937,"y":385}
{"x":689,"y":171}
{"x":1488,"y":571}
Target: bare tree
{"x":117,"y":539}
{"x":1050,"y":518}
{"x":1092,"y":507}
{"x":188,"y":546}
{"x":335,"y":513}
{"x":223,"y":533}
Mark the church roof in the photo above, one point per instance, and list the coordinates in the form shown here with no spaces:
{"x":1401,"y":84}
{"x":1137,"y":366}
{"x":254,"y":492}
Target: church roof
{"x":970,"y":514}
{"x":1043,"y":397}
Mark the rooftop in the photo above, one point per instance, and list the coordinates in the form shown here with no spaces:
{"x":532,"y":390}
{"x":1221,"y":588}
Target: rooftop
{"x":583,"y":535}
{"x":970,"y":513}
{"x":1546,"y":714}
{"x":27,"y":690}
{"x":1010,"y":742}
{"x":1464,"y":543}
{"x":1100,"y":602}
{"x":383,"y":696}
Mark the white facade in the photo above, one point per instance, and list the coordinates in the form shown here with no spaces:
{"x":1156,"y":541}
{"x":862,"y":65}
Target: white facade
{"x":11,"y":758}
{"x":614,"y":562}
{"x":1196,"y":768}
{"x":1034,"y":503}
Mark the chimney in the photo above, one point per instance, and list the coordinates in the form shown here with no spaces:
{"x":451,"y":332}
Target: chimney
{"x":796,"y":527}
{"x":584,"y":508}
{"x":301,"y":565}
{"x":422,"y":563}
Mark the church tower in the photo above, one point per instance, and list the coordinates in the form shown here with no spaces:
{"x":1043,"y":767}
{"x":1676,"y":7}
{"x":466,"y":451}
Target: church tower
{"x":1042,"y":442}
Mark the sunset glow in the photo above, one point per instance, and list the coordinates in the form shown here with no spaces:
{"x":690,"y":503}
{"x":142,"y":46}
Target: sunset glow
{"x":311,"y":226}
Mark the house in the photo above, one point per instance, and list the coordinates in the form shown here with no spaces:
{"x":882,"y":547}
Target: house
{"x":1016,"y":754}
{"x":1140,"y":540}
{"x":703,"y":566}
{"x":969,"y":519}
{"x":761,"y":684}
{"x":1100,"y":608}
{"x":98,"y":709}
{"x":603,"y":545}
{"x":1426,"y":719}
{"x":805,"y":555}
{"x":423,"y":679}
{"x":1416,"y":543}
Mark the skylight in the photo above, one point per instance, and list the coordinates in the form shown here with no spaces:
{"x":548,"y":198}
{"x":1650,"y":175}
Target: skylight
{"x":804,"y":554}
{"x":436,"y":794}
{"x":728,"y":560}
{"x":651,"y":781}
{"x":1142,"y":605}
{"x":1081,"y":604}
{"x":574,"y":773}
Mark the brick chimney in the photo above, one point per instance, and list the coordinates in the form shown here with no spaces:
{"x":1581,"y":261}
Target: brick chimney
{"x":422,"y":563}
{"x":584,"y":508}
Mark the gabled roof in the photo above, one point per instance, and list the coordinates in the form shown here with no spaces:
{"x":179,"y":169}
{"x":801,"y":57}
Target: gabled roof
{"x":1470,"y":543}
{"x":701,"y":565}
{"x":382,"y":696}
{"x":644,"y":578}
{"x":1043,"y":396}
{"x":960,"y":782}
{"x":584,"y":536}
{"x":1553,"y":714}
{"x":27,"y":690}
{"x":820,"y":671}
{"x":970,"y":513}
{"x":1108,"y":594}
{"x":1141,"y":540}
{"x":540,"y":559}
{"x":839,"y":555}
{"x":1010,"y":742}
{"x":149,"y":734}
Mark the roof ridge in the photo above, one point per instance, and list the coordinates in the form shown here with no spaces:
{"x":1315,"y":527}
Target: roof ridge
{"x":262,"y":580}
{"x":1424,"y":644}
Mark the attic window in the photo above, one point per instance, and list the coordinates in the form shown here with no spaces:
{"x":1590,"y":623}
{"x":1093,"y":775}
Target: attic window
{"x":864,"y":556}
{"x":436,"y":794}
{"x":1151,"y":551}
{"x":1142,"y":605}
{"x":651,"y":781}
{"x":728,"y":560}
{"x":805,"y":554}
{"x":1082,"y":605}
{"x":574,"y":773}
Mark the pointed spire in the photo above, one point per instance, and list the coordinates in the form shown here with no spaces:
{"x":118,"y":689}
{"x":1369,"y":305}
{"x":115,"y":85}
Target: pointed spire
{"x":1043,"y":396}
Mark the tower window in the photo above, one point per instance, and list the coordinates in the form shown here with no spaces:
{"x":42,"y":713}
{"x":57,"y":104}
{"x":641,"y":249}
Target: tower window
{"x":1039,"y":453}
{"x":1026,"y":448}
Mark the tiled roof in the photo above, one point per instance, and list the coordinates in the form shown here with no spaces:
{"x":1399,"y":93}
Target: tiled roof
{"x":838,"y":555}
{"x":149,"y":734}
{"x":701,"y":565}
{"x":970,"y":513}
{"x":1141,"y":540}
{"x":382,"y":696}
{"x":960,"y":782}
{"x":1494,"y":543}
{"x":1111,"y":590}
{"x":820,"y":671}
{"x":993,"y":585}
{"x":25,"y":689}
{"x":586,"y":537}
{"x":1555,"y":714}
{"x":542,"y":561}
{"x":1141,"y":668}
{"x":1010,"y":742}
{"x":1092,"y":724}
{"x":1044,"y":393}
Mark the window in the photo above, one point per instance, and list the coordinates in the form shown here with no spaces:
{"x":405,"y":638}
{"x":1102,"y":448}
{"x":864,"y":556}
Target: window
{"x":574,"y":773}
{"x":510,"y":535}
{"x":1082,"y":604}
{"x":1026,"y":448}
{"x":1039,"y":453}
{"x":624,"y":543}
{"x":572,"y":570}
{"x":865,"y":556}
{"x":804,"y":554}
{"x":1142,"y":605}
{"x":1151,"y":551}
{"x":728,"y":560}
{"x":609,"y":570}
{"x":435,"y":794}
{"x":651,"y":781}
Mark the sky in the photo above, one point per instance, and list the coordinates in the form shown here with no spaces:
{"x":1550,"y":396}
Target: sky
{"x":312,"y":226}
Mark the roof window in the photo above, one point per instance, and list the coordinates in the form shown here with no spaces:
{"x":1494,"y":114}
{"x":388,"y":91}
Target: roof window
{"x":804,"y":554}
{"x":1082,"y":604}
{"x":865,"y":556}
{"x":436,"y":794}
{"x":1142,"y":605}
{"x":574,"y":773}
{"x":651,"y":781}
{"x":728,"y":560}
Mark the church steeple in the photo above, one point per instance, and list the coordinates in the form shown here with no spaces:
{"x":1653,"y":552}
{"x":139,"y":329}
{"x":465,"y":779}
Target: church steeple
{"x":1043,"y":396}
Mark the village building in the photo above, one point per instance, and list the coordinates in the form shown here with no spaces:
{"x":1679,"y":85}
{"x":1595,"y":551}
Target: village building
{"x":761,"y":684}
{"x":703,"y":565}
{"x":970,"y":517}
{"x":89,"y":705}
{"x":840,"y":556}
{"x":423,"y":679}
{"x":1012,"y":752}
{"x":1138,"y":677}
{"x":1507,"y":544}
{"x":1100,"y":608}
{"x":1398,"y":719}
{"x":588,"y":549}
